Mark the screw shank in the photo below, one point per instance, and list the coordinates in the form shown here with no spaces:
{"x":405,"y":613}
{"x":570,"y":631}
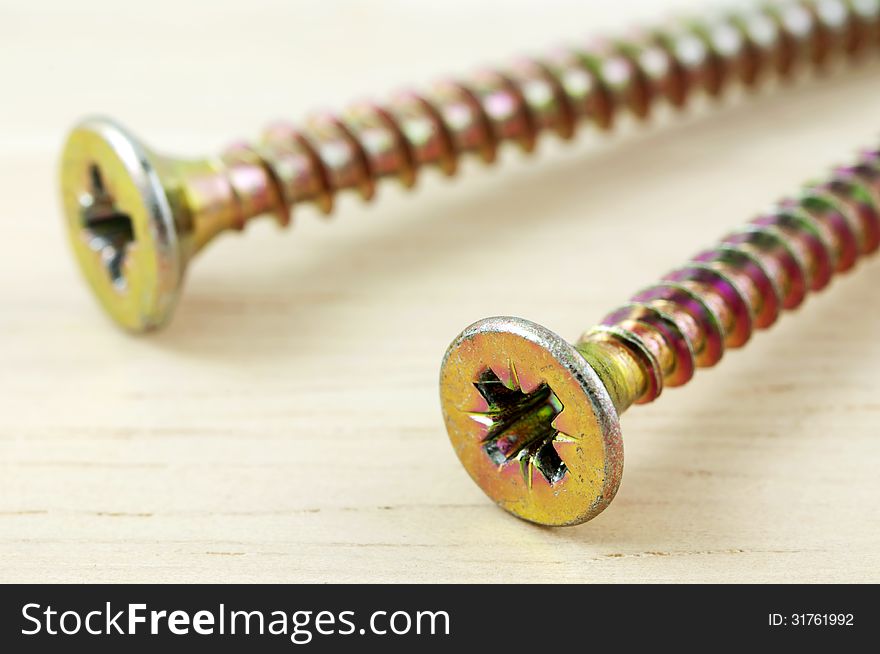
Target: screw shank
{"x":721,"y":296}
{"x":619,"y":368}
{"x":590,"y":84}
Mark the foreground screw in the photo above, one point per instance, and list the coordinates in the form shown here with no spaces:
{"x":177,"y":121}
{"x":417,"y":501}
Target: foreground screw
{"x":136,"y":218}
{"x":534,"y":420}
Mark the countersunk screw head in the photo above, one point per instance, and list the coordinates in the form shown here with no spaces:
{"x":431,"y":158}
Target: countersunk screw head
{"x":531,"y":421}
{"x":121,"y":224}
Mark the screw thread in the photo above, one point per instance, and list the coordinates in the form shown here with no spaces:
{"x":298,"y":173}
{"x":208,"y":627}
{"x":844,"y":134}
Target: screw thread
{"x":721,"y":295}
{"x":568,"y":88}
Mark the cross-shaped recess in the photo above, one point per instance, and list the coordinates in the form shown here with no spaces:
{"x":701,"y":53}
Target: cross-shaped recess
{"x":109,"y":230}
{"x":520,"y":425}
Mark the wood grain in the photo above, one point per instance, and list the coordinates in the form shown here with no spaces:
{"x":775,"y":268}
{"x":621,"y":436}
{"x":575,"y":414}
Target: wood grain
{"x":286,"y":426}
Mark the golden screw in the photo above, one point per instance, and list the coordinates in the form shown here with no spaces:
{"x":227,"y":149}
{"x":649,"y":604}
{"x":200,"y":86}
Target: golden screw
{"x":535,"y":420}
{"x":136,"y":218}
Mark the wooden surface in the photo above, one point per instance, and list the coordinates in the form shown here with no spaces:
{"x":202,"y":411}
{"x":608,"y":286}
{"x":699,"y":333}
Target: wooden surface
{"x":286,"y":426}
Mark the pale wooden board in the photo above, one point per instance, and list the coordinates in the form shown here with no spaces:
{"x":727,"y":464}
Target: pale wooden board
{"x":286,"y":426}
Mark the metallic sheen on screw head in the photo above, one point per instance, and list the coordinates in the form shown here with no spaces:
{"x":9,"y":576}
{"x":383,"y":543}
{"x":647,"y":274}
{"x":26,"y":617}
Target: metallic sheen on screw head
{"x":531,"y":421}
{"x":121,"y":224}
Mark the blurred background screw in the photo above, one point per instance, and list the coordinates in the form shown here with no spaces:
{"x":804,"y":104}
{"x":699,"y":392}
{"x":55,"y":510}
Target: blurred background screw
{"x":535,"y":420}
{"x":136,"y":218}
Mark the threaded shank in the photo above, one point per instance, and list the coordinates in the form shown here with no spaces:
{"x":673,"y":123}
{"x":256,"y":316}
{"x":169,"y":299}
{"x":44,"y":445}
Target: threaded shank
{"x":592,"y":84}
{"x":722,"y":295}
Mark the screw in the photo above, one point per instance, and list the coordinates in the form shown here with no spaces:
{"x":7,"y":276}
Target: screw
{"x":136,"y":218}
{"x":535,"y":420}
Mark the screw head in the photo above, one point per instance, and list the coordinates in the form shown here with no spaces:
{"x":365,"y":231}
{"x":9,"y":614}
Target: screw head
{"x":531,"y":421}
{"x":121,"y":224}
